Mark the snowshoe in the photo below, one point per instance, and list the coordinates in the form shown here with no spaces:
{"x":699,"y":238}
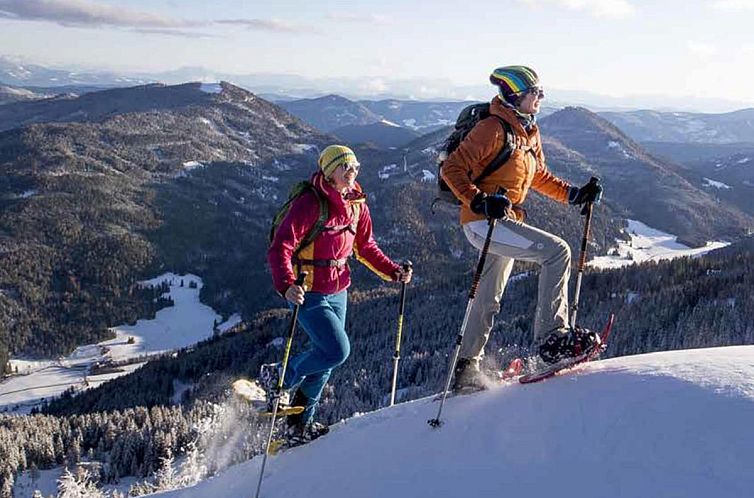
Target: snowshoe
{"x":297,"y":435}
{"x":568,"y":343}
{"x":256,"y":397}
{"x":514,"y":369}
{"x":587,"y":347}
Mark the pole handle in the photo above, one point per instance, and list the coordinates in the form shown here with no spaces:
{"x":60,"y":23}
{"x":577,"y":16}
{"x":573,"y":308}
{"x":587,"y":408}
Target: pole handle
{"x":586,"y":210}
{"x":301,"y":277}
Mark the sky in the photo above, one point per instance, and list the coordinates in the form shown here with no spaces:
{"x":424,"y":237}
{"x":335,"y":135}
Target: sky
{"x":701,"y":48}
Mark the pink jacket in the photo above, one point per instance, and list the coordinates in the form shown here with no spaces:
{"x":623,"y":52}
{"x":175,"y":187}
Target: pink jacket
{"x":336,"y":242}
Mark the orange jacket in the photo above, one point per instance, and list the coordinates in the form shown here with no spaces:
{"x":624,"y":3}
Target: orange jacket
{"x":525,"y":168}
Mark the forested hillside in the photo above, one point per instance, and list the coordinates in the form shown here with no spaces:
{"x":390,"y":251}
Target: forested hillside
{"x":80,"y":202}
{"x":680,"y":304}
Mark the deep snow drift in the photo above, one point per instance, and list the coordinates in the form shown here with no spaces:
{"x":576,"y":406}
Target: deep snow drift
{"x":673,"y":424}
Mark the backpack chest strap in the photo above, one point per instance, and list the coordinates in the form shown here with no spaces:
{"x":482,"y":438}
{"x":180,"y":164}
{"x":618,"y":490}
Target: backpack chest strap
{"x":321,"y":263}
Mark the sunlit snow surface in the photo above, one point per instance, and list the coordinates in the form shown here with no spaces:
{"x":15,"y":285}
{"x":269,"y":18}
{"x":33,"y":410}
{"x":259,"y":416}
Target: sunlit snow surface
{"x":649,"y":244}
{"x":673,"y":424}
{"x":184,"y":324}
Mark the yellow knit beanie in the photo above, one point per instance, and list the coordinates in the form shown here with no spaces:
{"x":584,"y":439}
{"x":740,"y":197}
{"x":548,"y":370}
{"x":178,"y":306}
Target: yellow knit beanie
{"x":333,"y":156}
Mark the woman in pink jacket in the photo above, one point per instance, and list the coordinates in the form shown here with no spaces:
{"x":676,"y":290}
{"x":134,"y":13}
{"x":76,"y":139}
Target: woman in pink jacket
{"x":323,"y":297}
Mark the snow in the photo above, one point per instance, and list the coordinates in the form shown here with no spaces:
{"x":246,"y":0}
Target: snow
{"x":175,"y":327}
{"x":211,"y":87}
{"x":47,"y":483}
{"x":616,"y":145}
{"x":390,"y":123}
{"x":715,"y":184}
{"x":301,"y":148}
{"x":427,"y":176}
{"x":231,"y":322}
{"x":278,"y":342}
{"x":410,"y":123}
{"x":385,"y":171}
{"x":662,"y":424}
{"x":649,"y":244}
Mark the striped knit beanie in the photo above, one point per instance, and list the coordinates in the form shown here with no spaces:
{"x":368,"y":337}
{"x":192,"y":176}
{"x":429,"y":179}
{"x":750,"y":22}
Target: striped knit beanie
{"x":512,"y":80}
{"x":333,"y":156}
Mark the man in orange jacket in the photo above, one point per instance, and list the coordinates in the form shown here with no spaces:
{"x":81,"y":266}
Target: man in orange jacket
{"x":518,"y":101}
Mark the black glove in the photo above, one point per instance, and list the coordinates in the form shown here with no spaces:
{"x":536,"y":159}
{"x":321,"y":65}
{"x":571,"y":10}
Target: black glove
{"x":493,"y":206}
{"x":591,"y":192}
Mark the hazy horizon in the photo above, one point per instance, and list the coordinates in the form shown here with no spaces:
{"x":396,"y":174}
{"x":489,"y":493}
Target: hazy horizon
{"x":632,"y":50}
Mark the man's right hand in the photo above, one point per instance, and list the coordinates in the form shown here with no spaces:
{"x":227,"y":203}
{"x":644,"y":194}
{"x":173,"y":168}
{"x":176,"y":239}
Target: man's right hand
{"x":295,"y":294}
{"x":493,"y":206}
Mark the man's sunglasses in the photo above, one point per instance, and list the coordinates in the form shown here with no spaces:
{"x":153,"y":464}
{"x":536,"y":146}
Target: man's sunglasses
{"x":535,"y":90}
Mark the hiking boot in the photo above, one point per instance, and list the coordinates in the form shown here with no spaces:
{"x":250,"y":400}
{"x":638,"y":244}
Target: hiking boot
{"x":299,"y":434}
{"x":568,"y":343}
{"x":269,"y":377}
{"x":299,"y":399}
{"x":467,"y":376}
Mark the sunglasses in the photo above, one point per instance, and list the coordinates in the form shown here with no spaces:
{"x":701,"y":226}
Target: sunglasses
{"x":535,"y":90}
{"x":350,"y":167}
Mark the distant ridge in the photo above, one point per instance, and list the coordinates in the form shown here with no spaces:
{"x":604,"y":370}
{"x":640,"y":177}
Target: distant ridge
{"x":648,"y":187}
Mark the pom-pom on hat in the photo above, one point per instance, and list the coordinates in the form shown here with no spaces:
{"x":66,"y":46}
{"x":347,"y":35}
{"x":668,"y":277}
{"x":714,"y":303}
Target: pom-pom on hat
{"x":512,"y":80}
{"x":333,"y":156}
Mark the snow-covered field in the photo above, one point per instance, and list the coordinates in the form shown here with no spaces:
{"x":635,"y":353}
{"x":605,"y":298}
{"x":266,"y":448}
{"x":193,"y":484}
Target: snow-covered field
{"x":649,"y":244}
{"x":175,"y":327}
{"x":673,"y":424}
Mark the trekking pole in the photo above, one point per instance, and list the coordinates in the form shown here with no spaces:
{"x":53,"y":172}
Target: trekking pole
{"x":435,"y":422}
{"x":397,"y":354}
{"x":294,"y":318}
{"x":587,"y":212}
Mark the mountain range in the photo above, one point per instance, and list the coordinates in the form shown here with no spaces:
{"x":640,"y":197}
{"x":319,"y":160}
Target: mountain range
{"x":685,"y":127}
{"x":15,"y":72}
{"x":101,"y":190}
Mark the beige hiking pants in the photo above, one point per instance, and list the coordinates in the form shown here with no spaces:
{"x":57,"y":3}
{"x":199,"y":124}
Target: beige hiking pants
{"x":513,"y":240}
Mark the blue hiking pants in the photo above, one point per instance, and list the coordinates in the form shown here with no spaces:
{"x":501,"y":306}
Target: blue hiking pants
{"x":323,"y":318}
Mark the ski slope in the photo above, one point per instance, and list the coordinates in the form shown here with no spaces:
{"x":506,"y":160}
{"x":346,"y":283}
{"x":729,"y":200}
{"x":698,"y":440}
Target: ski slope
{"x":672,"y":424}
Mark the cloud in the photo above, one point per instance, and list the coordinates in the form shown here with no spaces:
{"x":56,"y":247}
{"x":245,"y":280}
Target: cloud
{"x":733,"y":5}
{"x":701,"y":49}
{"x":360,"y":19}
{"x":87,"y":14}
{"x":174,"y":32}
{"x":273,"y":25}
{"x":614,"y":9}
{"x":84,"y":13}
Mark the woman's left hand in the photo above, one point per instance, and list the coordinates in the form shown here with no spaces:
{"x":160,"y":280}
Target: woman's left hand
{"x":402,"y":275}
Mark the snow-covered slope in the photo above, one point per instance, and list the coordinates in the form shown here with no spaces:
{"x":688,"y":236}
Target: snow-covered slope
{"x":650,"y":244}
{"x":674,"y":424}
{"x":184,"y":324}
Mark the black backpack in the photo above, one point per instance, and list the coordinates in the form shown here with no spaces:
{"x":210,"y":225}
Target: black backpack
{"x":467,"y":119}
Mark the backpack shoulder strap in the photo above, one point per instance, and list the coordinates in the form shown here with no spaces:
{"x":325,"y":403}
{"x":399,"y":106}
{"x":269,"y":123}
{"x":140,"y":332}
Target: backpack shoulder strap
{"x":505,"y":153}
{"x":319,"y":225}
{"x":356,"y":212}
